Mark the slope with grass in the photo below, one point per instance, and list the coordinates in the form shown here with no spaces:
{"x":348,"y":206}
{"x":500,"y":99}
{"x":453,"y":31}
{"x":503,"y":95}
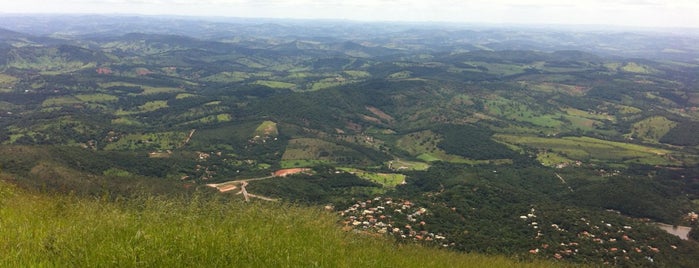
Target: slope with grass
{"x":66,"y":231}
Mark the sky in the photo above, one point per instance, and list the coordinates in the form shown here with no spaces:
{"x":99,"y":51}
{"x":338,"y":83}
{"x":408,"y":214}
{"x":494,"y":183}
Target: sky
{"x":640,"y":13}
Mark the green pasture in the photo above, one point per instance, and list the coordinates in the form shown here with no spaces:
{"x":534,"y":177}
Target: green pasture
{"x":149,"y":141}
{"x":312,"y":149}
{"x":275,"y":84}
{"x":595,"y":150}
{"x":385,"y":179}
{"x":399,"y":164}
{"x":423,"y":146}
{"x":97,"y":97}
{"x":518,"y":111}
{"x":651,"y":129}
{"x":227,"y":77}
{"x":184,"y":96}
{"x":299,"y":163}
{"x":61,"y":101}
{"x":266,"y":128}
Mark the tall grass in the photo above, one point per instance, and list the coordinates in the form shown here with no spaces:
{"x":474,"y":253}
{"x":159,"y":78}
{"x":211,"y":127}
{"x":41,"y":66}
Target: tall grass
{"x":67,"y":231}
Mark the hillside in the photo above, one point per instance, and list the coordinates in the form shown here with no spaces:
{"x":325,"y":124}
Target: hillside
{"x":58,"y":231}
{"x":562,"y":145}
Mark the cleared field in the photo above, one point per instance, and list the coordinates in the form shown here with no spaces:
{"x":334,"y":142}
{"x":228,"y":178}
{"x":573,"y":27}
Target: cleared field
{"x":266,"y":128}
{"x":423,"y":146}
{"x":275,"y":84}
{"x":318,"y":151}
{"x":184,"y":96}
{"x":651,"y":129}
{"x":7,"y":79}
{"x":227,"y":77}
{"x":633,"y":67}
{"x":157,"y":90}
{"x":214,"y":118}
{"x":60,"y":101}
{"x":7,"y":82}
{"x":551,"y":159}
{"x":98,"y":97}
{"x":301,"y":163}
{"x":591,"y":149}
{"x":385,"y":179}
{"x":419,"y":142}
{"x":589,"y":115}
{"x":407,"y":165}
{"x":519,"y":111}
{"x":357,"y":74}
{"x":559,"y":88}
{"x":326,"y":83}
{"x":147,"y":90}
{"x":626,"y":110}
{"x":498,"y":68}
{"x":149,"y":141}
{"x":152,"y":106}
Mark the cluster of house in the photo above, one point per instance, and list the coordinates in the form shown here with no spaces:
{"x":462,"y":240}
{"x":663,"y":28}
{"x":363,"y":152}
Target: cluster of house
{"x":400,"y":218}
{"x":602,"y":237}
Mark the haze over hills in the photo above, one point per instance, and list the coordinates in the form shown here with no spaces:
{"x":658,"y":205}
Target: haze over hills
{"x":568,"y":145}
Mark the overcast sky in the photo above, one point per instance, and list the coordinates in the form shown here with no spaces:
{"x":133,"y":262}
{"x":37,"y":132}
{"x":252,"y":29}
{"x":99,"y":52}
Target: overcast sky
{"x":653,"y":13}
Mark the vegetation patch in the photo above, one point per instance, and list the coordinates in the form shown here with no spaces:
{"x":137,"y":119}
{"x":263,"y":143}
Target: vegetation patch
{"x":399,"y":165}
{"x":184,"y":96}
{"x":595,"y":150}
{"x":320,"y":150}
{"x":633,"y":67}
{"x":148,"y":141}
{"x":97,"y":97}
{"x":227,"y":77}
{"x":551,"y":159}
{"x":266,"y":129}
{"x":651,"y":129}
{"x":385,"y":179}
{"x":152,"y":106}
{"x":61,"y":101}
{"x":275,"y":84}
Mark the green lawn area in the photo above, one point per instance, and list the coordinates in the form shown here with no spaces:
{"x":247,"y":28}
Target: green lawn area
{"x":301,"y":163}
{"x":520,"y":111}
{"x":7,"y":82}
{"x":60,"y":101}
{"x":97,"y":97}
{"x":314,"y":150}
{"x":595,"y":150}
{"x":651,"y":129}
{"x":407,"y":165}
{"x":275,"y":84}
{"x":266,"y":128}
{"x":184,"y":96}
{"x":385,"y":179}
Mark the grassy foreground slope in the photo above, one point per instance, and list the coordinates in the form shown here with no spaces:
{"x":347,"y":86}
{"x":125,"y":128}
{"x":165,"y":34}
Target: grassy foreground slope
{"x":48,"y":230}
